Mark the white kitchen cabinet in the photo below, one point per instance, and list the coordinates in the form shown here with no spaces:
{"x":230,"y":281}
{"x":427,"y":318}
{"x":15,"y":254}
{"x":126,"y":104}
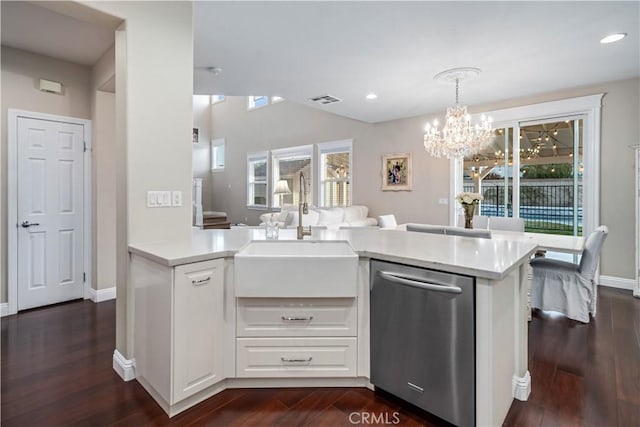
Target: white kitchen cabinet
{"x":297,"y":317}
{"x":296,"y":337}
{"x":178,"y":327}
{"x":296,"y":357}
{"x":198,"y":327}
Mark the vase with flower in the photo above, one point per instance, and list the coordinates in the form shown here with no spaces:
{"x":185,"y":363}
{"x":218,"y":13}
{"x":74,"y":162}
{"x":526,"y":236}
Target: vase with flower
{"x":469,"y":201}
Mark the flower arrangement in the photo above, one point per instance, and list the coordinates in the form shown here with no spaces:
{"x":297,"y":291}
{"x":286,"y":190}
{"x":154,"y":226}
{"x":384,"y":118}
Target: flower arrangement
{"x":467,"y":198}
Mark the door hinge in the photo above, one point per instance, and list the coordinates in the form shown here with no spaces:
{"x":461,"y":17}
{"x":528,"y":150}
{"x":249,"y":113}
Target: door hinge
{"x":84,"y":145}
{"x":84,"y":277}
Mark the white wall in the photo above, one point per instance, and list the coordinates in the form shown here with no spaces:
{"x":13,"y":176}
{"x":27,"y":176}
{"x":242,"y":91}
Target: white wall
{"x":154,"y":87}
{"x":21,"y":72}
{"x":288,"y":124}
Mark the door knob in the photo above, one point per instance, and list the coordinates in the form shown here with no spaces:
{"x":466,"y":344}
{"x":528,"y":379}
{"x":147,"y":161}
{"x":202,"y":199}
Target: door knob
{"x":27,"y":224}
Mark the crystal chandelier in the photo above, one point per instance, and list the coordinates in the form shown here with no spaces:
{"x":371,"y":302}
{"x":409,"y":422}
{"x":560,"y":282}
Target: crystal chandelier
{"x":458,"y":137}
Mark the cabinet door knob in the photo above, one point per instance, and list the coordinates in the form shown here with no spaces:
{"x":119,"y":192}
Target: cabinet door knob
{"x":293,"y":360}
{"x":200,"y":282}
{"x":297,"y":319}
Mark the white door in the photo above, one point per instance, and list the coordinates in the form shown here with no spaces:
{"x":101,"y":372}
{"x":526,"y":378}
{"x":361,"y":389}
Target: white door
{"x":50,"y":212}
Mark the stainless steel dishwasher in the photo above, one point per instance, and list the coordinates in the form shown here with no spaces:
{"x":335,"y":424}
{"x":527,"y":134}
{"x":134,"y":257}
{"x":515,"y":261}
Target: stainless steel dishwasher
{"x":423,"y":339}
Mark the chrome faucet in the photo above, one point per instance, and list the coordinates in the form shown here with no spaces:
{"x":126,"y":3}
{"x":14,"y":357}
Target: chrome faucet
{"x":303,"y":208}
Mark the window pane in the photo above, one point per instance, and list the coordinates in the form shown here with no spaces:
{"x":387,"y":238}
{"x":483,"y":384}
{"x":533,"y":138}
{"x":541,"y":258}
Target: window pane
{"x":551,"y":177}
{"x":259,"y":101}
{"x":259,"y":170}
{"x":290,"y":171}
{"x":336,"y":193}
{"x":336,"y":165}
{"x":218,"y":157}
{"x":491,"y":173}
{"x":259,"y":194}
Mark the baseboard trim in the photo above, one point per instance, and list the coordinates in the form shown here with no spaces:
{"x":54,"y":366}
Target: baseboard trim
{"x":102,"y":294}
{"x":617,"y":282}
{"x":124,"y":367}
{"x":521,"y":386}
{"x":4,"y":309}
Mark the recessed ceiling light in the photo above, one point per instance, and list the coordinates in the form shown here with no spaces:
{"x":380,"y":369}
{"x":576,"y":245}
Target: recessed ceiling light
{"x":613,"y":38}
{"x":371,"y":96}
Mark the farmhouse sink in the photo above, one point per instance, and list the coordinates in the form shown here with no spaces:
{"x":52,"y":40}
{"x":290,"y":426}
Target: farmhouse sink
{"x":297,"y":269}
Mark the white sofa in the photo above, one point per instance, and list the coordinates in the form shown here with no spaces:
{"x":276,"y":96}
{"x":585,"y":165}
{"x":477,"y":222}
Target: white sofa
{"x":332,"y":218}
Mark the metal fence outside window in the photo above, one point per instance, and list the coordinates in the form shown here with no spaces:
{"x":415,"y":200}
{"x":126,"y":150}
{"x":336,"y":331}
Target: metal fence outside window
{"x":545,"y":208}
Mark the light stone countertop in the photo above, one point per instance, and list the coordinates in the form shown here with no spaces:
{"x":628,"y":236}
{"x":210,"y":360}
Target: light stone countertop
{"x":486,"y":258}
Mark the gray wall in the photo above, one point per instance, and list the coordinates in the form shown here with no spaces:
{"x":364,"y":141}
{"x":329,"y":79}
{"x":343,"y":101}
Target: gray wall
{"x":288,"y":124}
{"x":202,"y":150}
{"x":21,"y":72}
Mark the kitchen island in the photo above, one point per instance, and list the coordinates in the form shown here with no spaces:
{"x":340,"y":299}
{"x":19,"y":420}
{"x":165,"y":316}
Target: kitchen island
{"x":193,"y":337}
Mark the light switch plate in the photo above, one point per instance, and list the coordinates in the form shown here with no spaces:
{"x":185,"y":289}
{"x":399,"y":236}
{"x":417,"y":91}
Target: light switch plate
{"x":166,"y":198}
{"x":176,"y":198}
{"x":152,"y":199}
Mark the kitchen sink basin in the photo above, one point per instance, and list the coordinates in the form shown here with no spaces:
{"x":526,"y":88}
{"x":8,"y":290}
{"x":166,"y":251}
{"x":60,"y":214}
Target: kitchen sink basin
{"x":301,"y":269}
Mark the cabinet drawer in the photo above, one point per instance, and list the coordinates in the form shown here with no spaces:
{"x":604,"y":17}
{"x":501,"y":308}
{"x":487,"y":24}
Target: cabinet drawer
{"x":296,"y":317}
{"x":296,"y":357}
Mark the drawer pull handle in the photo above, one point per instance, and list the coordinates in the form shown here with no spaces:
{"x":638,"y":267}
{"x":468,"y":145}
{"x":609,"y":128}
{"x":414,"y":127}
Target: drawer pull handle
{"x":297,"y":319}
{"x":288,"y":360}
{"x":200,"y":281}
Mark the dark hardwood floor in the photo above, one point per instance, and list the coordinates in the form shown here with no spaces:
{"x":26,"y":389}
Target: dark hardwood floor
{"x":56,"y":370}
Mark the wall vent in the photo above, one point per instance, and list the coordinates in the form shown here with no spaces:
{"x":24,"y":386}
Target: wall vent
{"x":325,"y":99}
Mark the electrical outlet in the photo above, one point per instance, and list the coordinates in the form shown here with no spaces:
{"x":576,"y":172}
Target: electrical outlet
{"x":443,"y":201}
{"x":176,"y":198}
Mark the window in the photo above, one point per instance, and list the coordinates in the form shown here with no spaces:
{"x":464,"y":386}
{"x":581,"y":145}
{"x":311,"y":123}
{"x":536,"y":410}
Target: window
{"x":257,"y":184}
{"x":254,"y":102}
{"x":543,"y":166}
{"x":217,"y":154}
{"x":287,"y":165}
{"x":276,"y":99}
{"x":216,"y":98}
{"x":334,"y":165}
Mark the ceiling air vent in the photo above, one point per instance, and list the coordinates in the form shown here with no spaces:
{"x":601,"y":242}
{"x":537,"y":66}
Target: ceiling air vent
{"x":325,"y":99}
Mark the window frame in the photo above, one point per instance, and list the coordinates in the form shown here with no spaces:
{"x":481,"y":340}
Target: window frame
{"x":251,"y":158}
{"x":340,"y":146}
{"x":218,"y":142}
{"x":292,"y":153}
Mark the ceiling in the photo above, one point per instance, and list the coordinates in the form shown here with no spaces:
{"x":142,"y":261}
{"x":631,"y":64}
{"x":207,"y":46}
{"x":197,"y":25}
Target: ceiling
{"x":40,"y":30}
{"x":348,"y":49}
{"x":299,"y":50}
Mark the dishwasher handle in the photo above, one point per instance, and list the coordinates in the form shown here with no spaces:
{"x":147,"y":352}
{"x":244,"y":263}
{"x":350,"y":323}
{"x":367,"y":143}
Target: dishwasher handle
{"x":416,"y":282}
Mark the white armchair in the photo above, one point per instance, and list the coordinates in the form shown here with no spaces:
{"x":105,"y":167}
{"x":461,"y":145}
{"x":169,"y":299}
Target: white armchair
{"x":566,"y":287}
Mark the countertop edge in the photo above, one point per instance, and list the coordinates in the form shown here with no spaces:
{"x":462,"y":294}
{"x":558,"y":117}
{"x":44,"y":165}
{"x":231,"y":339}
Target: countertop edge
{"x":174,"y":262}
{"x":491,"y":275}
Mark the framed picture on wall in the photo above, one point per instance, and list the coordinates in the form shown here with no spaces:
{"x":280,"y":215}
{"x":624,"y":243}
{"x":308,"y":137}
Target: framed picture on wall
{"x":196,"y":135}
{"x":396,"y":172}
